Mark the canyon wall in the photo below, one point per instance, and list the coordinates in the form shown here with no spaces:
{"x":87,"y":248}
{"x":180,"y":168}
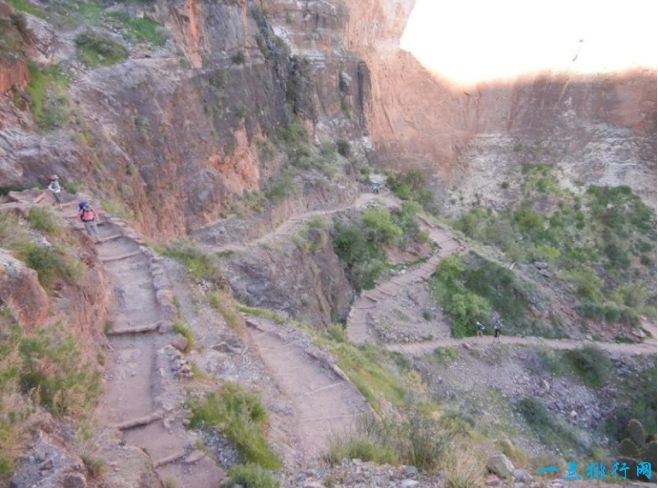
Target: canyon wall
{"x":172,"y":134}
{"x":600,"y":129}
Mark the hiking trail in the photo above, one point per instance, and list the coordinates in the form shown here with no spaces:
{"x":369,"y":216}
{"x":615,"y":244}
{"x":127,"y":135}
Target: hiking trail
{"x":326,"y":405}
{"x":287,"y":227}
{"x":142,"y":397}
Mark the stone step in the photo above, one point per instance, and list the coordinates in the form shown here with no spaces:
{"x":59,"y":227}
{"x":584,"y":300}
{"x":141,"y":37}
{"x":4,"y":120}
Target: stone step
{"x":121,"y":257}
{"x":143,"y":329}
{"x":111,"y":238}
{"x":172,"y":458}
{"x":139,"y":422}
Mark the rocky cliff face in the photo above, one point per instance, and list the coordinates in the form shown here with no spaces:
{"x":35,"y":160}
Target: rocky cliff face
{"x":599,"y":129}
{"x":173,"y":131}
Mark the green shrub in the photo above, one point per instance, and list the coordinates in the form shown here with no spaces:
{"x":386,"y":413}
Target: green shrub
{"x":261,"y":312}
{"x":250,"y":476}
{"x":141,"y":29}
{"x":224,"y":305}
{"x":587,"y":283}
{"x":415,"y":440}
{"x":42,"y":219}
{"x":365,"y":449}
{"x":53,"y":368}
{"x":28,"y":8}
{"x":96,"y":49}
{"x":344,"y":148}
{"x":50,"y":264}
{"x":72,"y":186}
{"x":48,"y":91}
{"x":379,"y":226}
{"x":411,"y":185}
{"x":240,"y":416}
{"x":591,"y":364}
{"x":201,"y":266}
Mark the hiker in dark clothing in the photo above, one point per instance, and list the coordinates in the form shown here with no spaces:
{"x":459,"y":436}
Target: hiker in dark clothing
{"x":497,"y":331}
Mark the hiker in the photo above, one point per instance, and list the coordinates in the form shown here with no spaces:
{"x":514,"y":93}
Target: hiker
{"x":480,"y":328}
{"x":89,"y":218}
{"x":497,"y":331}
{"x":55,"y":189}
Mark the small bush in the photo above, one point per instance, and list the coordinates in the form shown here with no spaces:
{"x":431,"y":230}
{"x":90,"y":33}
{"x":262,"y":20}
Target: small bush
{"x":48,"y":91}
{"x":250,"y":476}
{"x":141,"y":29}
{"x":240,"y":416}
{"x":344,"y":148}
{"x":415,"y":440}
{"x":95,"y":467}
{"x":546,"y":427}
{"x":591,"y":364}
{"x":464,"y":468}
{"x":411,"y":185}
{"x":50,"y":264}
{"x":368,"y":450}
{"x":96,"y":49}
{"x":53,"y":368}
{"x":201,"y":266}
{"x":238,"y":58}
{"x":72,"y":186}
{"x":42,"y":219}
{"x":224,"y":305}
{"x":261,"y":312}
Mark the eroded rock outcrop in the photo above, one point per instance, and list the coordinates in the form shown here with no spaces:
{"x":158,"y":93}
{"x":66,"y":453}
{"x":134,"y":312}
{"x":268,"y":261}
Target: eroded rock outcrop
{"x":21,"y":292}
{"x":305,"y":281}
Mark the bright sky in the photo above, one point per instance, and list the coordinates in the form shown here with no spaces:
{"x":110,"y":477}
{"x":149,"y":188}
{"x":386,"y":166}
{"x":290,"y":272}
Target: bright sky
{"x":473,"y":40}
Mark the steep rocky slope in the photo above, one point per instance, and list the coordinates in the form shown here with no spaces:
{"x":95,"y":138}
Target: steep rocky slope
{"x":236,"y":123}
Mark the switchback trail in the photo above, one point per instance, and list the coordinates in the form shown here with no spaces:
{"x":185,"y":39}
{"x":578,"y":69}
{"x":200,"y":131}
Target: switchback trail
{"x":359,"y":318}
{"x":359,"y":327}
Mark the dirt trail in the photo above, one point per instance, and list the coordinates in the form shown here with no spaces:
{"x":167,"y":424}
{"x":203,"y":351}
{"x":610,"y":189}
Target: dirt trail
{"x":358,"y":322}
{"x":142,"y":397}
{"x":286,"y":228}
{"x":422,"y":348}
{"x":359,"y":318}
{"x":326,"y":404}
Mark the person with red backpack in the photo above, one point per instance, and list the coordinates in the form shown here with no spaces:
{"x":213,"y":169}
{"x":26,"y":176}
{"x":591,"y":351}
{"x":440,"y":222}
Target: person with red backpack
{"x":88,"y":216}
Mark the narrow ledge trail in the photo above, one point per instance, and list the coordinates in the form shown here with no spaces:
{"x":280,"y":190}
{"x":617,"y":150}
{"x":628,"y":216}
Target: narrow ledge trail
{"x":326,"y":405}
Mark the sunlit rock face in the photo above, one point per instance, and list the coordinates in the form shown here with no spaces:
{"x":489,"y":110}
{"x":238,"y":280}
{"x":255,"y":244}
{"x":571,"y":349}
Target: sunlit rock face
{"x":600,"y":129}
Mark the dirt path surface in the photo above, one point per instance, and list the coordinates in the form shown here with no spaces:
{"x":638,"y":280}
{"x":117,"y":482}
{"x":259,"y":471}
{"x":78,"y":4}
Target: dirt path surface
{"x":422,"y":348}
{"x":286,"y":228}
{"x":325,"y":403}
{"x":143,"y":397}
{"x":359,"y":320}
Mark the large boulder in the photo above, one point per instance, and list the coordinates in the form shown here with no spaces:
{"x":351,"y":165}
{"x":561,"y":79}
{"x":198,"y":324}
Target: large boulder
{"x":21,"y":292}
{"x":499,"y":465}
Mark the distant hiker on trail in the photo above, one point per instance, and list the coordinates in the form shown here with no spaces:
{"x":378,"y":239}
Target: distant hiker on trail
{"x":497,"y":330}
{"x":55,"y":189}
{"x":89,"y":218}
{"x":480,"y":328}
